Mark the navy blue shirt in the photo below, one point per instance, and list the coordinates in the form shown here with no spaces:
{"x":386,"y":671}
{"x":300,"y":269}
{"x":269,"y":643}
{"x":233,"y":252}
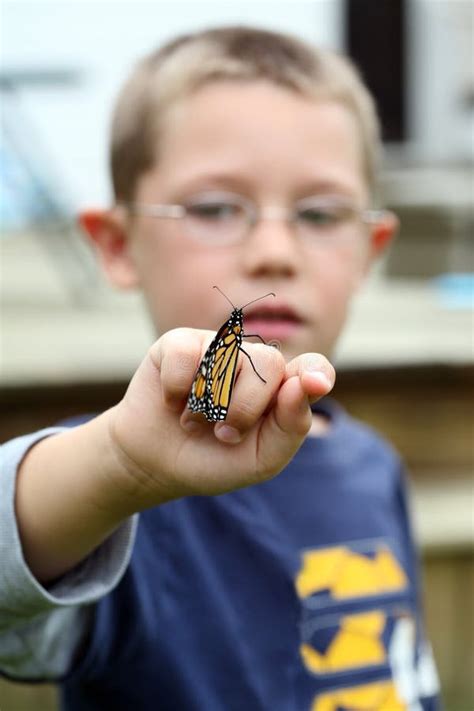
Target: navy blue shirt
{"x":296,"y":594}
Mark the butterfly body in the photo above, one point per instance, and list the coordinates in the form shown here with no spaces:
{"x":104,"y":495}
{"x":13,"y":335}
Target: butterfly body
{"x":211,"y":391}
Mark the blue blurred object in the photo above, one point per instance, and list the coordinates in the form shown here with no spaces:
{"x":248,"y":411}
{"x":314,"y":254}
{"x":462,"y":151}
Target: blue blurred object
{"x":22,"y":200}
{"x":33,"y":196}
{"x":30,"y":192}
{"x":455,"y":291}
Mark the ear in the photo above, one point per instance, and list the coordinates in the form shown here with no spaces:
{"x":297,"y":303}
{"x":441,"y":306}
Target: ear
{"x":107,"y":233}
{"x":382,"y":232}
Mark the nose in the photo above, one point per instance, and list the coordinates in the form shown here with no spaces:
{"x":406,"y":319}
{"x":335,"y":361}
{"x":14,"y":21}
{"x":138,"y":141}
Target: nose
{"x":271,"y":247}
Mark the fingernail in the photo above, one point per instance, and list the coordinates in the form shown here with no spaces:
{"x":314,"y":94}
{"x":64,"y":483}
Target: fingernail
{"x":320,"y":378}
{"x":227,"y":434}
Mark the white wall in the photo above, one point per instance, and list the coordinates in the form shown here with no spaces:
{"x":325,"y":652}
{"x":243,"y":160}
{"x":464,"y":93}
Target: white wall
{"x":440,"y":74}
{"x":102,"y":39}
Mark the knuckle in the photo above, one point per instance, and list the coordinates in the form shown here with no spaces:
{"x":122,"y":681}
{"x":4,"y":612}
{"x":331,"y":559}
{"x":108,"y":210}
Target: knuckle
{"x":278,"y":361}
{"x":251,"y":396}
{"x":269,"y":360}
{"x":274,"y":359}
{"x":178,"y":364}
{"x":184,"y":362}
{"x":312,"y":361}
{"x":246,"y":407}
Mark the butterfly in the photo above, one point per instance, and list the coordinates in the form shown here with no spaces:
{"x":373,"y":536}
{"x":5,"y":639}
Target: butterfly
{"x":211,"y":391}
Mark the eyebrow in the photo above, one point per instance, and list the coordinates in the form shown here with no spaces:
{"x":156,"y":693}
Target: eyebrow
{"x":241,"y":184}
{"x":213,"y":181}
{"x":325,"y":187}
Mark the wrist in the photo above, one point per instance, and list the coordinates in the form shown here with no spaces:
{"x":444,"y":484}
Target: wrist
{"x":129,"y":485}
{"x":114,"y":486}
{"x":66,"y":498}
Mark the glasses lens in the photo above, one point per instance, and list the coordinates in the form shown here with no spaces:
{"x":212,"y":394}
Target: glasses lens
{"x":324,"y":220}
{"x":215,"y":220}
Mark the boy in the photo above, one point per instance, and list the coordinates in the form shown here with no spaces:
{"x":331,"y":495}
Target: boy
{"x":243,"y":159}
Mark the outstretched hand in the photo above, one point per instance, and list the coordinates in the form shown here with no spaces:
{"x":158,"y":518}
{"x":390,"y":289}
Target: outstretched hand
{"x":167,"y":452}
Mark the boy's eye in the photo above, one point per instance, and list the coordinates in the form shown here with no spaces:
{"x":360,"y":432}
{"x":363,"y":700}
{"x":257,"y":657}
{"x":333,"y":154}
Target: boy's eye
{"x":322,"y":216}
{"x":214,"y":211}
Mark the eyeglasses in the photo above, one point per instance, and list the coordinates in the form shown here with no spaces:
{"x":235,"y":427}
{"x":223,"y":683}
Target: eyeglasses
{"x":220,"y":219}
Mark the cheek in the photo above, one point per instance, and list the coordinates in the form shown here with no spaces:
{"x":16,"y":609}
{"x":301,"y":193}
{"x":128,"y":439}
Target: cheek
{"x":177,"y":279}
{"x":335,"y":279}
{"x":340,"y":274}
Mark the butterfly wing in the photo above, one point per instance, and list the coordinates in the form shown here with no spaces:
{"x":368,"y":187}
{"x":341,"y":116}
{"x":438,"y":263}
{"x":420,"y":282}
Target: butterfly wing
{"x":211,"y":391}
{"x":212,"y":387}
{"x":223,"y":375}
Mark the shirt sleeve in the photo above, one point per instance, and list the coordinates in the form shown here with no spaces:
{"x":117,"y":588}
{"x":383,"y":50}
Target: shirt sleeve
{"x":42,"y":628}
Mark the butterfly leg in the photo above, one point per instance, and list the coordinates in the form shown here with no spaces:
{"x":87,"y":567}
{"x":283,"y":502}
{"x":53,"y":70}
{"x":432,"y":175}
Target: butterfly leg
{"x":251,"y":363}
{"x":253,"y":335}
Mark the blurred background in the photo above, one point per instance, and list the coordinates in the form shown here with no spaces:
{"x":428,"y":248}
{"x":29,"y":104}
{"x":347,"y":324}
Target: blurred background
{"x":405,"y":364}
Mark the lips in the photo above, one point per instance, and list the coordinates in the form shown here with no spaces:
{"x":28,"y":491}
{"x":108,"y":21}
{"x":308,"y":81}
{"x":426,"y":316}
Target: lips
{"x":275,"y":321}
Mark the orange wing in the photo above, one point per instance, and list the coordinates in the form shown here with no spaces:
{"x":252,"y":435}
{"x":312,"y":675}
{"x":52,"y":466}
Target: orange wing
{"x":211,"y":391}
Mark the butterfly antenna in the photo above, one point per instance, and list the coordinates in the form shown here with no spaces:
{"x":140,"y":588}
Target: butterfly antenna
{"x":270,"y":293}
{"x":226,"y":297}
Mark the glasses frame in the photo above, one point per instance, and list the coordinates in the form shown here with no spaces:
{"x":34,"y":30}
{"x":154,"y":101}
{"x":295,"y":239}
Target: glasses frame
{"x":254,"y":214}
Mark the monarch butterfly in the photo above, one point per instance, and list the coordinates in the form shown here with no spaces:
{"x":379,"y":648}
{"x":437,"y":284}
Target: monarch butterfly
{"x":213,"y":383}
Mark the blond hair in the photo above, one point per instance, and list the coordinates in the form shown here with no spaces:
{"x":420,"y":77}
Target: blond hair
{"x":235,"y":53}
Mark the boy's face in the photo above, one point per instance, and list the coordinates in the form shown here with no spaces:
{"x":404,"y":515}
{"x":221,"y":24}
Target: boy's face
{"x":272,"y":147}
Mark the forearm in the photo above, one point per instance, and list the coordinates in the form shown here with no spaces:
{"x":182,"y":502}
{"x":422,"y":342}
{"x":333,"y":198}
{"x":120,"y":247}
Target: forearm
{"x":70,"y":497}
{"x":75,"y":488}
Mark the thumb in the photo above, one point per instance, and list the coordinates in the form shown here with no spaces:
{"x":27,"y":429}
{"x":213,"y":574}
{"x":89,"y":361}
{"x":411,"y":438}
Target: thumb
{"x":316,"y":374}
{"x":309,"y":377}
{"x":284,"y":427}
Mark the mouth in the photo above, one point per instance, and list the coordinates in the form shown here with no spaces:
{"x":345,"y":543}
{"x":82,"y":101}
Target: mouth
{"x":272,"y":321}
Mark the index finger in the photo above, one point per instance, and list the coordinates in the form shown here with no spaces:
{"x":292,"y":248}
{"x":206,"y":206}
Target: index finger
{"x":177,"y":355}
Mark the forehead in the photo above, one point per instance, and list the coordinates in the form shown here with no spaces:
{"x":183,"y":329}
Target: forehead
{"x":262,"y":132}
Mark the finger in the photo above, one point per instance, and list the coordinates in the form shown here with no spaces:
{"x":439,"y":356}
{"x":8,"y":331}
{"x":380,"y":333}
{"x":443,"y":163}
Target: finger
{"x":315,"y":372}
{"x":284,"y":428}
{"x":251,"y":396}
{"x":177,"y":355}
{"x":308,"y":378}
